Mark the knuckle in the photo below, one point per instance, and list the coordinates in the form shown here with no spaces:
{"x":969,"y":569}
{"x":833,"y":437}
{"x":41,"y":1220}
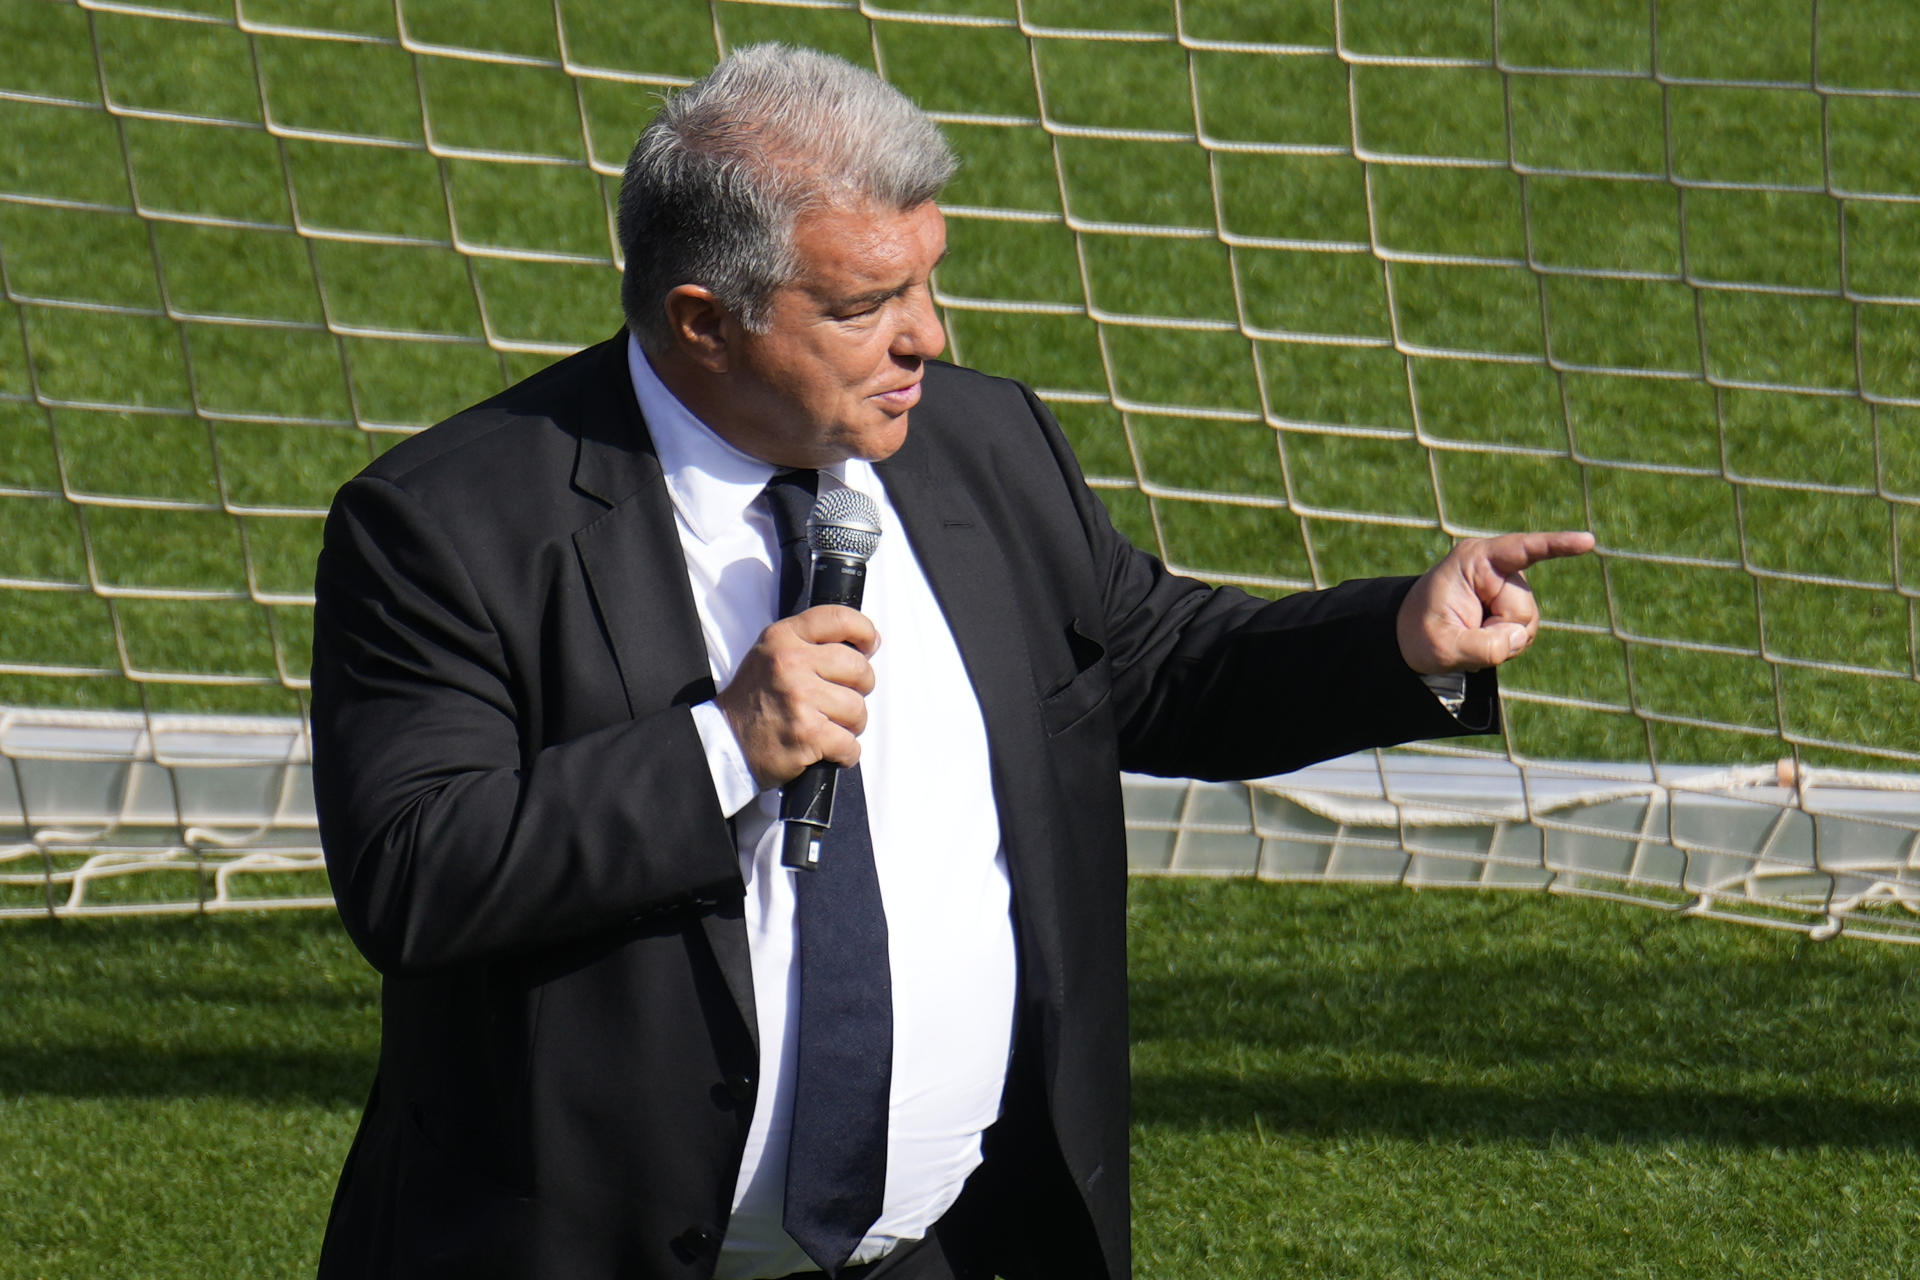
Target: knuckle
{"x":788,"y":667}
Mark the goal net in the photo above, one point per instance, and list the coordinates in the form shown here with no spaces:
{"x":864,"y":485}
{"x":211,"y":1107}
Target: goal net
{"x":1314,"y":286}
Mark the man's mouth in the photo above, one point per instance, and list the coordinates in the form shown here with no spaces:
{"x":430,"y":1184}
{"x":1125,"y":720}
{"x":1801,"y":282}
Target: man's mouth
{"x":900,"y":397}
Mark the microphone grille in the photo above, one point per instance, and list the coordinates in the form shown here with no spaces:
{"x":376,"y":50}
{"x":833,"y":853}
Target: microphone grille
{"x":844,"y":523}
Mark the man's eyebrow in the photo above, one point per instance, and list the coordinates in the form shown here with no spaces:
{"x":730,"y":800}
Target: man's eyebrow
{"x":875,"y":297}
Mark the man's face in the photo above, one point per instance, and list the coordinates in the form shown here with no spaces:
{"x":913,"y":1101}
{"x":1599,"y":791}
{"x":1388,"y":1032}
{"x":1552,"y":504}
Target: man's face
{"x":840,"y":364}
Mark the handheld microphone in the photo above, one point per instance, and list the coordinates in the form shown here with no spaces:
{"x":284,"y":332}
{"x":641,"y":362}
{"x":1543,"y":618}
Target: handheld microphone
{"x":843,"y":530}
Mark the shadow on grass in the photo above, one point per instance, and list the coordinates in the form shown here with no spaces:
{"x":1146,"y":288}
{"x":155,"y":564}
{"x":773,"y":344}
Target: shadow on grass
{"x":1462,"y":1114}
{"x":1328,"y":1011}
{"x":276,"y":1008}
{"x":327,"y":1078}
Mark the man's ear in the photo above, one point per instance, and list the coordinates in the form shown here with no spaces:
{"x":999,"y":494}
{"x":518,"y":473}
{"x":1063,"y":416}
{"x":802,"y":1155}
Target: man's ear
{"x":698,"y":322}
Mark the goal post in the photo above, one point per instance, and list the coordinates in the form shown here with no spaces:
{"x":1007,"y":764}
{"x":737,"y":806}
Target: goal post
{"x":1313,"y":287}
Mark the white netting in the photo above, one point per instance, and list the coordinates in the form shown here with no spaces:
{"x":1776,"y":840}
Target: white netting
{"x":1313,"y":286}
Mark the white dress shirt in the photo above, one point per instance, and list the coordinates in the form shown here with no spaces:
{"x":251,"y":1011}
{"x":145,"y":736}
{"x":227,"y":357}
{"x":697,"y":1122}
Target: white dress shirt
{"x":936,"y":847}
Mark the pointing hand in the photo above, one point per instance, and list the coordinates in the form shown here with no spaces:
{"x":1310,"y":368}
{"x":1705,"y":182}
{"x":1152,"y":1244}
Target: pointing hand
{"x":1474,"y":609}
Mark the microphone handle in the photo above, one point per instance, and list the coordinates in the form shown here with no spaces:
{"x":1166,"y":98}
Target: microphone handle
{"x":806,"y":805}
{"x":837,"y":580}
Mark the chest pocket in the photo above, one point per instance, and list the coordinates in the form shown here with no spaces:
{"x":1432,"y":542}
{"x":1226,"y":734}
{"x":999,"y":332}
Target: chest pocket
{"x":1085,"y":691}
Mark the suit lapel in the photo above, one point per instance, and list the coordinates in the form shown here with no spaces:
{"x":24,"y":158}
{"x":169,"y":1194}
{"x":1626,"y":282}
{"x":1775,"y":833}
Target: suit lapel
{"x":634,"y":567}
{"x":631,"y":559}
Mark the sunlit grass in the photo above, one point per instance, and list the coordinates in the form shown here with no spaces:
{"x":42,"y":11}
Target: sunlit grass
{"x":1328,"y":1081}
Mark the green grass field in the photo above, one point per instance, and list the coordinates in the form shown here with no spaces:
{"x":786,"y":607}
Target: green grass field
{"x":1419,"y":298}
{"x":1330,"y":1082}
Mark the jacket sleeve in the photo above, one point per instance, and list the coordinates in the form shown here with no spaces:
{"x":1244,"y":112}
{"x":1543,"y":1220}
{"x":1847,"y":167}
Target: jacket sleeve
{"x":446,"y":839}
{"x":1211,"y":682}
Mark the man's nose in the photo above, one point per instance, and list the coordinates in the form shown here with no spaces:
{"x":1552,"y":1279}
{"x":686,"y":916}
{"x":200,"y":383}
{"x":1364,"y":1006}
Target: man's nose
{"x":921,"y":333}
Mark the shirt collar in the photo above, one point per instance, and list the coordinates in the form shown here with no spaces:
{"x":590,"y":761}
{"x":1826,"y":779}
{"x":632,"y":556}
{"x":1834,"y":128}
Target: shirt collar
{"x":712,"y":484}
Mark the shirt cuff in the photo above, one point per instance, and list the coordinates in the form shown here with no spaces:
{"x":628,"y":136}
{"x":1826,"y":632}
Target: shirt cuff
{"x":1450,"y":687}
{"x":733,"y":783}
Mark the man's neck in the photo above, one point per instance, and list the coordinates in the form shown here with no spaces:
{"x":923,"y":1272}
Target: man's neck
{"x":691,"y":385}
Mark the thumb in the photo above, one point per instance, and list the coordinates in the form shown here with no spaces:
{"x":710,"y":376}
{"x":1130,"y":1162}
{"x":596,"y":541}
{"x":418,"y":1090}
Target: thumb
{"x":1491,"y":645}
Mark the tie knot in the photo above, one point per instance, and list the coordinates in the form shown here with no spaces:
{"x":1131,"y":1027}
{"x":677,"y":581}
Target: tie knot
{"x":790,"y":496}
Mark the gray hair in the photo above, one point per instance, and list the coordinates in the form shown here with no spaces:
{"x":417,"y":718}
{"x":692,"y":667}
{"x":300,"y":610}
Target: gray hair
{"x":717,"y":181}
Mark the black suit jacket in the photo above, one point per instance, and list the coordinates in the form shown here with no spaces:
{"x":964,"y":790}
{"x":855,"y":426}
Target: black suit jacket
{"x":523,"y":836}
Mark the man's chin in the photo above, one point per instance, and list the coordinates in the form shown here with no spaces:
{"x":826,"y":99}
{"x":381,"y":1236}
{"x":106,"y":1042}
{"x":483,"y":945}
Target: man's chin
{"x":878,"y":445}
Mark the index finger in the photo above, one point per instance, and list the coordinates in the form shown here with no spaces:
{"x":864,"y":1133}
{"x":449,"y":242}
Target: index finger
{"x":1513,"y":552}
{"x":836,"y":624}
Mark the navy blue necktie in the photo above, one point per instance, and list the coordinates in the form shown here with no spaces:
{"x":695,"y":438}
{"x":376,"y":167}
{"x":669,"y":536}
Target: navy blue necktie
{"x":837,"y":1154}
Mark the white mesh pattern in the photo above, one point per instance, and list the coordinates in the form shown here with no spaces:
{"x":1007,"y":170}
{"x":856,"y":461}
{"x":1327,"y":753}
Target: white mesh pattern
{"x":1313,"y":288}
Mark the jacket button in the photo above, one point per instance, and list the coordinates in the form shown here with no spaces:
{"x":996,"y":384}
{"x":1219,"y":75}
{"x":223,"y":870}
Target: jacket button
{"x":698,"y":1242}
{"x":739,"y":1085}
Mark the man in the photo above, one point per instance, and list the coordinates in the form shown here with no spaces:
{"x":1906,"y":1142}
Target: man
{"x":555,"y":698}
